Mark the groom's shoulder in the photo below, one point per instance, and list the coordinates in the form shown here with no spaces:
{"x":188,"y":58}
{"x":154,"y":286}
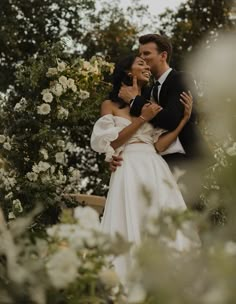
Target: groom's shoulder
{"x":182,"y":77}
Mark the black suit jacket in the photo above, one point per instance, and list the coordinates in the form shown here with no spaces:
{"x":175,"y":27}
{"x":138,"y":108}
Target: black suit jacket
{"x":169,"y":118}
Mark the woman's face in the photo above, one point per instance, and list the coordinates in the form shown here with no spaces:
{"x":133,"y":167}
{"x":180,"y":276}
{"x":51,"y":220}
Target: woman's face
{"x":141,"y":70}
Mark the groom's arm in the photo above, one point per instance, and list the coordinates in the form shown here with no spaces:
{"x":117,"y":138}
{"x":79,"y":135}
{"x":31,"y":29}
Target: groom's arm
{"x":172,"y":113}
{"x":136,"y":105}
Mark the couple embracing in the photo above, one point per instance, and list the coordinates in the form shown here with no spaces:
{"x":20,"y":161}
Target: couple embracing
{"x":144,"y":132}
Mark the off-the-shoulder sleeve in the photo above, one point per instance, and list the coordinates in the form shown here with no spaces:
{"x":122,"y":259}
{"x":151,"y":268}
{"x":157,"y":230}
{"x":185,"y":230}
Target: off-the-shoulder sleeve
{"x":104,"y":132}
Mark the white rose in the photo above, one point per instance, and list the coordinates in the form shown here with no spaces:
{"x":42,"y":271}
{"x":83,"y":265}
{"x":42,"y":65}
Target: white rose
{"x":63,"y":81}
{"x":86,"y":65}
{"x":44,"y":91}
{"x":75,"y":175}
{"x":109,"y":278}
{"x":70,"y":82}
{"x":61,"y":66}
{"x":57,"y":89}
{"x":83,"y":94}
{"x":62,"y":267}
{"x":52,"y":169}
{"x":44,"y":152}
{"x":7,"y":146}
{"x":44,"y":109}
{"x":45,"y":178}
{"x":43,"y":166}
{"x":51,"y":72}
{"x":87,"y":217}
{"x":70,"y":147}
{"x":17,"y":207}
{"x":17,"y":107}
{"x":2,"y":138}
{"x":60,"y":143}
{"x":60,"y":157}
{"x":48,"y":97}
{"x":74,"y":88}
{"x":32,"y":176}
{"x":62,"y":113}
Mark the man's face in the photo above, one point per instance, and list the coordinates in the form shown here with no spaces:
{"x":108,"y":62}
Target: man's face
{"x":150,"y":54}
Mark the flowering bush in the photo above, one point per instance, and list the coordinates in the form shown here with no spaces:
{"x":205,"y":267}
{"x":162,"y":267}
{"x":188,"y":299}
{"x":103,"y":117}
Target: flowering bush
{"x":38,"y":140}
{"x":72,"y":264}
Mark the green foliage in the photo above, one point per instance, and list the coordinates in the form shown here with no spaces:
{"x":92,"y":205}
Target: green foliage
{"x":40,"y":129}
{"x":115,"y":32}
{"x":192,"y":22}
{"x":26,"y":25}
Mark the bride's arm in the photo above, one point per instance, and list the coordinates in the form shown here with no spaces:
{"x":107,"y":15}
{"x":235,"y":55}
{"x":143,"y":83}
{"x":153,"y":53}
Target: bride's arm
{"x":148,"y":112}
{"x":165,"y":140}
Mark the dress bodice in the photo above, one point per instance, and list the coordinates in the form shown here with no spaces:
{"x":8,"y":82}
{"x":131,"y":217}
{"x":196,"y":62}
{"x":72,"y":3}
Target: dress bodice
{"x":107,"y":129}
{"x":146,"y":133}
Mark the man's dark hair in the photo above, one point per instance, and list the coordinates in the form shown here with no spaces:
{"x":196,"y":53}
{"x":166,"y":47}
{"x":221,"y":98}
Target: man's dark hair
{"x":162,"y":42}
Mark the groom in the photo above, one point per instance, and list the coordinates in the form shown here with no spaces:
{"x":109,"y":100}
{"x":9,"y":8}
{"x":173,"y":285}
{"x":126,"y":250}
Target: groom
{"x":186,"y":153}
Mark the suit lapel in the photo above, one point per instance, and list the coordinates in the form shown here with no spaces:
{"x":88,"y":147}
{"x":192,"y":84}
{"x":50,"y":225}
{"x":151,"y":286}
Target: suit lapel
{"x":164,"y":88}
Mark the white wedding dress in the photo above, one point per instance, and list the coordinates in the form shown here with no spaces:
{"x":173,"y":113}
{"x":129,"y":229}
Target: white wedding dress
{"x":142,"y":171}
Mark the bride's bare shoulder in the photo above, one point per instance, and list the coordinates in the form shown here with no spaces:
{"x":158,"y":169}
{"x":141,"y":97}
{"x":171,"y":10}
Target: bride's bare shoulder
{"x":107,"y":107}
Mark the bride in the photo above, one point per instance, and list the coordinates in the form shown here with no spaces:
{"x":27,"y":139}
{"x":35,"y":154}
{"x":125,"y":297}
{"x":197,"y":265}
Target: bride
{"x":143,"y":167}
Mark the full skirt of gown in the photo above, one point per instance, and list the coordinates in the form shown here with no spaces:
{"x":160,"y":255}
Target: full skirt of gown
{"x":142,"y":171}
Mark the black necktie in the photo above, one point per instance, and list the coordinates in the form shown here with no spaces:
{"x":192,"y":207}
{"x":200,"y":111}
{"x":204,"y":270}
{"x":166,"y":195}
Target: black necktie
{"x":155,"y":91}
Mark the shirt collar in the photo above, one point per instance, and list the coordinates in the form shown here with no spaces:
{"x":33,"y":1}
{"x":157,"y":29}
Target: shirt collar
{"x":163,"y":77}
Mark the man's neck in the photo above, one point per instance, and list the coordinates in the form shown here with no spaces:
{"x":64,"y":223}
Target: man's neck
{"x":161,"y":71}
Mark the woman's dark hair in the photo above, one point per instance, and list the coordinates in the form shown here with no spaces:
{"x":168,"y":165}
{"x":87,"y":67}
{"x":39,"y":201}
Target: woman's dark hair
{"x":120,"y":75}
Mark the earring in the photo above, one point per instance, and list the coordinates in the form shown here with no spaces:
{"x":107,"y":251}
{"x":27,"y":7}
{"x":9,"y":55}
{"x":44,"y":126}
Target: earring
{"x":130,"y":75}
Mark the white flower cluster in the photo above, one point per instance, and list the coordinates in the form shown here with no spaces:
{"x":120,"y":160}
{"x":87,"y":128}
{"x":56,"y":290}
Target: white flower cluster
{"x":8,"y":179}
{"x":6,"y":142}
{"x":21,"y":105}
{"x":76,"y":240}
{"x":82,"y":233}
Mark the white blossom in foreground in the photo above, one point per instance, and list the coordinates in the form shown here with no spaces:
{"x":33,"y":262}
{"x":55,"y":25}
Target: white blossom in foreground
{"x":62,"y":267}
{"x":44,"y":109}
{"x":137,"y":294}
{"x":230,"y":248}
{"x":109,"y":278}
{"x":87,"y":217}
